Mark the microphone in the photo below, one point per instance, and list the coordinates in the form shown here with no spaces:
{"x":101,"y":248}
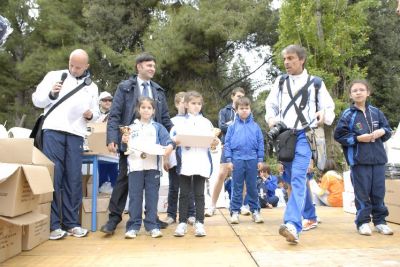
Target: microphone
{"x":63,"y":77}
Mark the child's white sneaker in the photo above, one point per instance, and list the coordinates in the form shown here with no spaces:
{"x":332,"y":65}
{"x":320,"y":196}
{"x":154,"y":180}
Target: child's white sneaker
{"x":235,"y":218}
{"x":245,"y":210}
{"x":191,"y":220}
{"x":257,"y":217}
{"x":155,"y":233}
{"x":131,"y":234}
{"x":181,"y":229}
{"x":199,"y":230}
{"x":209,"y":212}
{"x":364,"y":229}
{"x":383,"y":229}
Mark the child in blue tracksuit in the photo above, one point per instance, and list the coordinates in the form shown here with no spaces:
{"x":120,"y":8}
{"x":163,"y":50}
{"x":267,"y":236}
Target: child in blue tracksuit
{"x":361,"y":131}
{"x":144,"y":169}
{"x":244,"y":152}
{"x":266,"y":186}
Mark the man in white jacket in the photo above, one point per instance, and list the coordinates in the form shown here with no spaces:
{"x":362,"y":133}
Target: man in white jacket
{"x":63,"y":133}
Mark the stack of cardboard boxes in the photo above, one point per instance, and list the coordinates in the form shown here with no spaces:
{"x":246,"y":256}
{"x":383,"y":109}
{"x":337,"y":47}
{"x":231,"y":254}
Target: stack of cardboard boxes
{"x":25,"y":194}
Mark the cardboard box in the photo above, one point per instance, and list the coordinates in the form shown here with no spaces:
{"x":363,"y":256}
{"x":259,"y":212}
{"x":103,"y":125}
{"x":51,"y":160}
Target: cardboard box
{"x":392,"y":200}
{"x":89,"y":187}
{"x":97,"y":139}
{"x":102,"y":211}
{"x":44,"y":208}
{"x":20,"y":187}
{"x":22,"y":151}
{"x":35,"y":228}
{"x":348,"y":202}
{"x":85,"y":180}
{"x":10,"y":240}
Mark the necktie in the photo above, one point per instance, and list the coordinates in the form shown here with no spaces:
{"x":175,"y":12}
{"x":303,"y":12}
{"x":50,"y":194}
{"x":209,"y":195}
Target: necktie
{"x":145,"y":89}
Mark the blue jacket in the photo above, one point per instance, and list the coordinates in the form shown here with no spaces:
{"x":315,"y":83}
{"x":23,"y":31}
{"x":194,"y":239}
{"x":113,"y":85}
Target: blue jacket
{"x":122,"y":111}
{"x":244,"y":140}
{"x":353,"y":123}
{"x":225,"y":115}
{"x":268,"y":185}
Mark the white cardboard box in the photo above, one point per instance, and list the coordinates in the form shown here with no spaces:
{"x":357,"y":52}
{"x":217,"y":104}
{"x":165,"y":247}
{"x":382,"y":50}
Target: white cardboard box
{"x":348,"y":202}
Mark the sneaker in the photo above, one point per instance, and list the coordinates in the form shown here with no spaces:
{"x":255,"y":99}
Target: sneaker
{"x":57,"y":234}
{"x":108,"y":228}
{"x":78,"y":231}
{"x":364,"y":229}
{"x":181,"y":229}
{"x":257,"y":217}
{"x":289,"y":232}
{"x":191,"y":220}
{"x":383,"y":229}
{"x":169,"y":220}
{"x":309,"y":224}
{"x":155,"y":233}
{"x":245,"y":210}
{"x":210,"y":212}
{"x":235,"y":218}
{"x":131,"y":234}
{"x":199,"y":230}
{"x":163,"y":225}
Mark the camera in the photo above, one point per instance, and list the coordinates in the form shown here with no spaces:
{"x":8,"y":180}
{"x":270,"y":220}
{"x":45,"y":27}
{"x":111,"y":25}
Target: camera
{"x":278,"y":128}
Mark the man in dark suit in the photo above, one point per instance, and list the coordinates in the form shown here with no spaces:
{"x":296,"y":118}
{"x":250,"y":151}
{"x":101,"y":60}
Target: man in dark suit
{"x":123,"y":113}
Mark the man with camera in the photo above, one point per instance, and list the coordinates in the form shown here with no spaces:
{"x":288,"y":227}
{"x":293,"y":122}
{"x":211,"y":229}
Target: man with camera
{"x":297,"y":103}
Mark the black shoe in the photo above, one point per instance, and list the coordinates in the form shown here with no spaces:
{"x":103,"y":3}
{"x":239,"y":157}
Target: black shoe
{"x":163,"y":225}
{"x":108,"y":228}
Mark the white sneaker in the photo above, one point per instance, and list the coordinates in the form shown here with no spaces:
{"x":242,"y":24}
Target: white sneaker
{"x":309,"y":224}
{"x":383,"y":229}
{"x":364,"y":229}
{"x":191,"y":220}
{"x":235,"y":218}
{"x":169,"y":220}
{"x":78,"y":231}
{"x":209,"y":212}
{"x":199,"y":230}
{"x":155,"y":233}
{"x":57,"y":234}
{"x":181,"y":229}
{"x":131,"y":234}
{"x":289,"y":232}
{"x":245,"y":210}
{"x":257,"y":217}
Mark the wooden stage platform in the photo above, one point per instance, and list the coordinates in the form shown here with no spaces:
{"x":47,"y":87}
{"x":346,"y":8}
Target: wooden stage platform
{"x":334,"y":243}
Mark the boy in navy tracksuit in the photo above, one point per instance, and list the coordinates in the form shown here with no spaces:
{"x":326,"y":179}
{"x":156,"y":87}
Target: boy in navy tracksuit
{"x":244,"y":152}
{"x":361,"y":131}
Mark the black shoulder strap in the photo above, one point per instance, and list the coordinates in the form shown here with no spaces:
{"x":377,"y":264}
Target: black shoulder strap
{"x":86,"y":82}
{"x":317,"y":86}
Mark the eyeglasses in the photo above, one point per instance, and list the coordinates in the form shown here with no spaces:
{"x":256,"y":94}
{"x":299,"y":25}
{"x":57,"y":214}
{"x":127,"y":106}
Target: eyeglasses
{"x":106,"y":100}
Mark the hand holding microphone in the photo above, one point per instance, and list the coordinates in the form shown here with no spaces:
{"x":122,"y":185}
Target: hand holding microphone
{"x":55,"y":91}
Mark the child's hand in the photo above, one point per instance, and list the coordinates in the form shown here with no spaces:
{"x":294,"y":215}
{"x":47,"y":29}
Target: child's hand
{"x":378,"y":133}
{"x":166,"y":164}
{"x":215,"y":142}
{"x":168,"y":150}
{"x":366,"y":138}
{"x":259,"y":166}
{"x":230,"y":166}
{"x":125,"y":138}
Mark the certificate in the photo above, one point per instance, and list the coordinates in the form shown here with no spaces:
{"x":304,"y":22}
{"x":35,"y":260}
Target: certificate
{"x":150,"y":149}
{"x":191,"y":140}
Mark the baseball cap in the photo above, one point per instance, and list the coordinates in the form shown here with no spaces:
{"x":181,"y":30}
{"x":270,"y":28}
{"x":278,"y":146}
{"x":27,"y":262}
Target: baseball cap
{"x":105,"y":95}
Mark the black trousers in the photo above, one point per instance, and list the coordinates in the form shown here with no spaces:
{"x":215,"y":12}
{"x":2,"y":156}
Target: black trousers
{"x":119,"y":193}
{"x":185,"y":184}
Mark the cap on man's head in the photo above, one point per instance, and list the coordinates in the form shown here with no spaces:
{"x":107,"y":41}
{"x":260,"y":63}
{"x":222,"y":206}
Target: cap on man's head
{"x":105,"y":95}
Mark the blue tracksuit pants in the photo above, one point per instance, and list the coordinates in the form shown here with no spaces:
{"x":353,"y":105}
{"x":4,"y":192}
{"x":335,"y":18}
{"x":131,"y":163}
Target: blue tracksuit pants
{"x":309,"y":211}
{"x":244,"y":171}
{"x":65,"y":151}
{"x":295,"y":174}
{"x":369,"y":190}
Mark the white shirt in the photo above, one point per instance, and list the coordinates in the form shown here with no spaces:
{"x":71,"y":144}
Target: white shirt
{"x":276,"y":102}
{"x":140,"y":82}
{"x":195,"y":160}
{"x":68,"y":116}
{"x":143,"y":133}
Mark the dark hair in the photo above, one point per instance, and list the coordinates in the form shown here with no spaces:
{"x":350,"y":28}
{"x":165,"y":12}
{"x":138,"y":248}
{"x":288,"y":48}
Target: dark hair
{"x":265,"y":168}
{"x":298,"y":50}
{"x":144,"y":57}
{"x":236,"y":90}
{"x":329,"y":165}
{"x":362,"y":81}
{"x":243,"y":101}
{"x":140,"y":102}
